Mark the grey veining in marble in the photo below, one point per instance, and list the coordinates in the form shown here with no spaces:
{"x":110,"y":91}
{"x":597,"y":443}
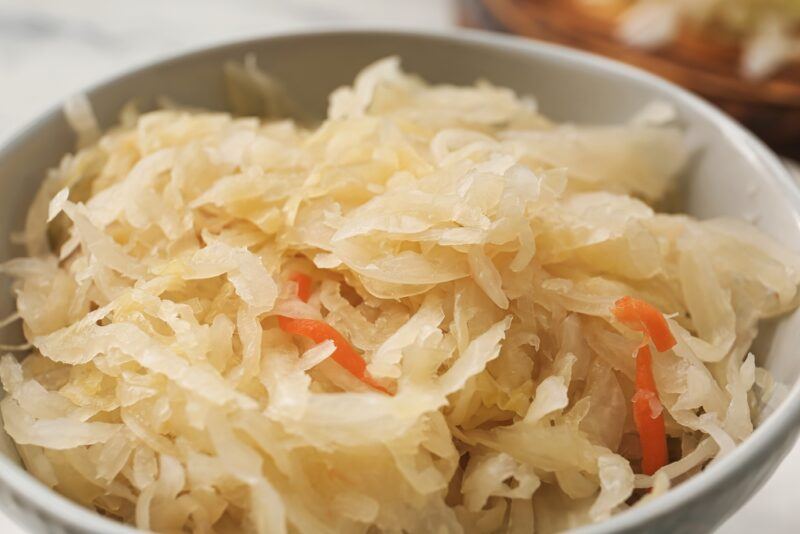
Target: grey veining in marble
{"x":51,"y":48}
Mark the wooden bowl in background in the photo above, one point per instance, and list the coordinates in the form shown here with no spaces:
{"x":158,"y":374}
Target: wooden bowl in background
{"x":704,"y":62}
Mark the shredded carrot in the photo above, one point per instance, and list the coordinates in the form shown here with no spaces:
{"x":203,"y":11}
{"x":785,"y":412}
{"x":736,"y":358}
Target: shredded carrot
{"x":303,"y":282}
{"x":319,"y":331}
{"x":345,"y":355}
{"x":643,"y":317}
{"x":647,"y":414}
{"x":649,"y":424}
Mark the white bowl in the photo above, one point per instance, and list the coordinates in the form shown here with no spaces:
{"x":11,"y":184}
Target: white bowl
{"x":733,"y":175}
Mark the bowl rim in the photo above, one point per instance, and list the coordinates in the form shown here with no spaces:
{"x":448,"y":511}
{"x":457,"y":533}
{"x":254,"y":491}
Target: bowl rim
{"x":778,"y":427}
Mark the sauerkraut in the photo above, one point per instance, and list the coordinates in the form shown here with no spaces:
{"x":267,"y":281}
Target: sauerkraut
{"x":468,"y":249}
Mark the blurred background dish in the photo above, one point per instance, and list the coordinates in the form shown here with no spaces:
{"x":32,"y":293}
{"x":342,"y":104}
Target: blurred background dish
{"x":749,"y":67}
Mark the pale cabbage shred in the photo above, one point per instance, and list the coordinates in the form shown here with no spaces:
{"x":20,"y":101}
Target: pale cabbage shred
{"x":470,"y":249}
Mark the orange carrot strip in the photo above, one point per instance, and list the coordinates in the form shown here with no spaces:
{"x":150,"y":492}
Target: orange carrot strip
{"x":303,"y":282}
{"x":643,"y":317}
{"x":649,"y":424}
{"x":345,"y":355}
{"x":319,"y":331}
{"x":647,"y":412}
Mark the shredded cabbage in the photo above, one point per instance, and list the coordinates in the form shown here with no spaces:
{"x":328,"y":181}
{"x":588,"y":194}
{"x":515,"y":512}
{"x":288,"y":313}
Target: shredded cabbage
{"x":468,"y":248}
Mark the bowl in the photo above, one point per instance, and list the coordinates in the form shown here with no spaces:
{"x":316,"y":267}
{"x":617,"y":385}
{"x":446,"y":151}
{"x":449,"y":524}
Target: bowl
{"x":705,"y":61}
{"x":732,"y":174}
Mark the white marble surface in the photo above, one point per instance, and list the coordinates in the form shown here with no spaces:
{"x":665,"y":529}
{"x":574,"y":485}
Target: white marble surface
{"x":52,"y":48}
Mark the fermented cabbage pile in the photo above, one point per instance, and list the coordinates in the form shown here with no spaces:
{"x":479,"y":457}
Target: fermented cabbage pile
{"x":467,"y":250}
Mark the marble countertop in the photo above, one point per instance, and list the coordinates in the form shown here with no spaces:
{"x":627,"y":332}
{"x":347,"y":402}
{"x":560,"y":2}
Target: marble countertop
{"x":52,"y":48}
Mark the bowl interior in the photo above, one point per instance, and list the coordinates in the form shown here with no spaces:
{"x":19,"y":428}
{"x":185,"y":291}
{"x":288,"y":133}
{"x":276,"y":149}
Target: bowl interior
{"x":727,"y":177}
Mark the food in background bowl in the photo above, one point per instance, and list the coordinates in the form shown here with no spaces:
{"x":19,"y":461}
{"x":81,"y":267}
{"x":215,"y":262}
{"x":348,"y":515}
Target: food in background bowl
{"x":435,"y":311}
{"x":767,"y":29}
{"x":705,"y":46}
